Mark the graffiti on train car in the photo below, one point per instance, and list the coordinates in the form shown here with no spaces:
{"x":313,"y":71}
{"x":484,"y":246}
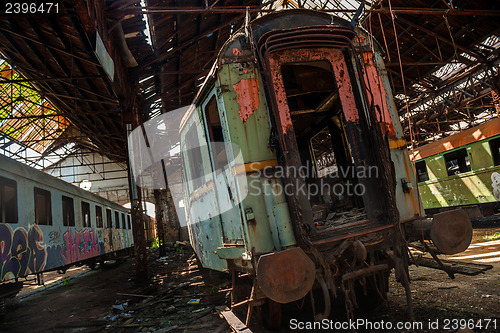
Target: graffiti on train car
{"x":25,"y":251}
{"x":80,"y":245}
{"x":21,"y":251}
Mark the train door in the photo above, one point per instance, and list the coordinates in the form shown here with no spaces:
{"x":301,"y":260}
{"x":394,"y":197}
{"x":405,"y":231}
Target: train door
{"x":204,"y":223}
{"x":228,"y":208}
{"x":315,"y":101}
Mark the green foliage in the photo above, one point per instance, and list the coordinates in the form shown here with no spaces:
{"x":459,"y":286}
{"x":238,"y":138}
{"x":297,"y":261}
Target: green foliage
{"x":492,"y":237}
{"x":66,"y":281}
{"x":156,"y":243}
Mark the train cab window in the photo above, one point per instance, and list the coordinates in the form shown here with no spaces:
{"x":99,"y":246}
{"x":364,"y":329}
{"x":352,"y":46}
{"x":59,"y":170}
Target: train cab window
{"x":215,"y":135}
{"x":123,"y":222}
{"x":68,"y":210}
{"x":98,"y":217}
{"x":421,"y":169}
{"x":86,"y":214}
{"x":129,"y":223}
{"x":43,"y":210}
{"x":8,"y":200}
{"x":457,"y":162}
{"x":495,"y":150}
{"x":323,"y":153}
{"x":117,"y":220}
{"x":109,"y":222}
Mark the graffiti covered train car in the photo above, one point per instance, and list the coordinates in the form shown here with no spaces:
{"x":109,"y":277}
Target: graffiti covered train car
{"x":48,"y":224}
{"x":295,"y":173}
{"x":461,"y":170}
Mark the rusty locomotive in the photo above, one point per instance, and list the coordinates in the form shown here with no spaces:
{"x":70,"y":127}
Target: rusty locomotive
{"x":294,"y":170}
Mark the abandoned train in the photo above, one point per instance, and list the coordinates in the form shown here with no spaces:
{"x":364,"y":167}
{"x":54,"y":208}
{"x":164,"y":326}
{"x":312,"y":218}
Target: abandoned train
{"x":48,"y":224}
{"x":294,"y":170}
{"x":462,"y":170}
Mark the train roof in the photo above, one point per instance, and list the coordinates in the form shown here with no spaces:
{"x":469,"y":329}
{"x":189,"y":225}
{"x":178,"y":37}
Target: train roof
{"x":282,"y":20}
{"x":8,"y":165}
{"x":474,"y":134}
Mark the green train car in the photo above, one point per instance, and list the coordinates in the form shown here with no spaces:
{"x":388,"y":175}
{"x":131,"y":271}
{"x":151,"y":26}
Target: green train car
{"x":462,"y":170}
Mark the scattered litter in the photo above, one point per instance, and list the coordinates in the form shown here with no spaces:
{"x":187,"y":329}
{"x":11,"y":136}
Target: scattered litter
{"x":486,"y":296}
{"x":194,"y":301}
{"x":199,"y":310}
{"x":170,"y":309}
{"x":109,"y":318}
{"x":162,"y":259}
{"x":120,"y":307}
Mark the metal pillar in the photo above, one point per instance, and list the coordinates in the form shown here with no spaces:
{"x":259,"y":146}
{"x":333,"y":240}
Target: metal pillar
{"x":141,"y":258}
{"x":160,"y":209}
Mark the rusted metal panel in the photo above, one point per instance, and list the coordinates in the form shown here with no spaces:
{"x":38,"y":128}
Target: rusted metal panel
{"x":407,"y":197}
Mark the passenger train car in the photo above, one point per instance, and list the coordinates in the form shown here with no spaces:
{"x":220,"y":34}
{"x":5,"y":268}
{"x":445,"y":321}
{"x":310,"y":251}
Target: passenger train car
{"x":304,"y":100}
{"x":462,"y":170}
{"x":295,"y":173}
{"x":48,"y":224}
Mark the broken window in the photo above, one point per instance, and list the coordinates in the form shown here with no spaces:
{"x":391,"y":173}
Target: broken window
{"x":457,"y":162}
{"x":86,"y":214}
{"x":8,"y":200}
{"x":309,"y":86}
{"x":68,"y":210}
{"x":421,"y":169}
{"x":495,"y":151}
{"x":43,"y":211}
{"x":98,"y":217}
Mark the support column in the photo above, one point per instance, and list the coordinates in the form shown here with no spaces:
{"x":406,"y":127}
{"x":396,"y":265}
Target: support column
{"x":141,"y":258}
{"x":160,"y":215}
{"x":173,"y":226}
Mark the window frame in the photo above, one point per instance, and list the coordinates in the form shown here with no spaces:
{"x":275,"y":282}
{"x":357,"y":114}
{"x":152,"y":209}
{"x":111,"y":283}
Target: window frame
{"x":494,"y":145}
{"x":98,"y":217}
{"x":4,"y":206}
{"x":48,"y":205}
{"x":71,"y":202}
{"x":457,"y":152}
{"x":82,"y":205}
{"x":109,"y":218}
{"x":419,"y":180}
{"x":117,"y":220}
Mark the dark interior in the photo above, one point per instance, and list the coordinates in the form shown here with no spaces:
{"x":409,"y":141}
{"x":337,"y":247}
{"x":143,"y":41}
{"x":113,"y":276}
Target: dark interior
{"x":318,"y":122}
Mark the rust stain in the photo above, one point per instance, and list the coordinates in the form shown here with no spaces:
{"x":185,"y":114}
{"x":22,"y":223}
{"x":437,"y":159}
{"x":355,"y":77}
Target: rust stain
{"x":248,"y":97}
{"x":379,"y":95}
{"x":236,"y":52}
